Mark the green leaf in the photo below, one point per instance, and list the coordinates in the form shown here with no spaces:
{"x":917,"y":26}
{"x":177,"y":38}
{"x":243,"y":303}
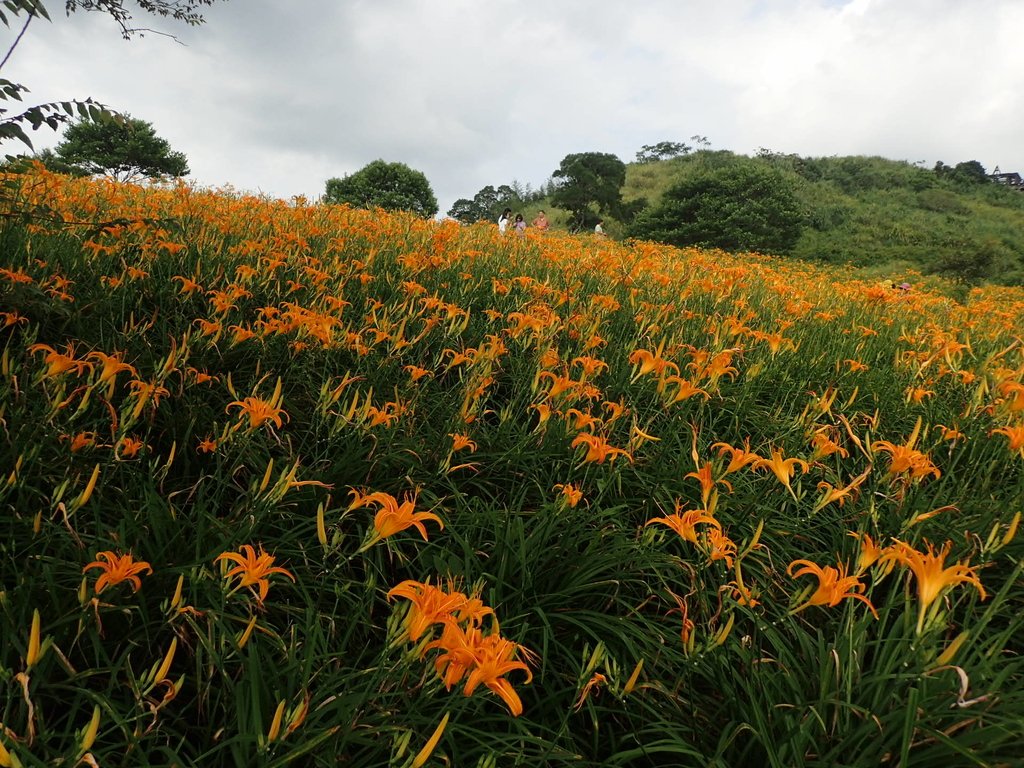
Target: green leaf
{"x":14,"y":131}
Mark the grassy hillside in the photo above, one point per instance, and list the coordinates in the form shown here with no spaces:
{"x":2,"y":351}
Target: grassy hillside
{"x":290,"y":484}
{"x":873,"y":212}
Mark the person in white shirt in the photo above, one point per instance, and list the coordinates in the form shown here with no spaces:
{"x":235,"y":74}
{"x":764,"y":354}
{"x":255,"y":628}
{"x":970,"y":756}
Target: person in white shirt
{"x":503,"y":220}
{"x":598,"y":229}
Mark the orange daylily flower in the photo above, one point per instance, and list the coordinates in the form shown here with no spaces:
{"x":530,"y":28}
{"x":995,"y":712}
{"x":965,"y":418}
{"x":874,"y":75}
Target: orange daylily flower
{"x":1013,"y":391}
{"x":386,"y":415}
{"x":783,"y":469}
{"x":685,"y":390}
{"x":581,"y":420}
{"x":1016,"y":437}
{"x":460,"y":651}
{"x":572,"y":494}
{"x":950,"y":433}
{"x":462,"y":442}
{"x":128,"y":447}
{"x":543,"y":413}
{"x":430,"y":605}
{"x":83,"y":440}
{"x":144,"y":391}
{"x":590,"y":365}
{"x":650,"y":362}
{"x":416,"y":373}
{"x":111,"y":366}
{"x":259,"y":411}
{"x":187,"y":285}
{"x":870,"y":552}
{"x":918,"y":394}
{"x":739,"y":457}
{"x":598,"y":449}
{"x":833,"y":585}
{"x":905,"y":459}
{"x":824,"y":445}
{"x":595,"y":680}
{"x":617,"y":409}
{"x":560,"y":383}
{"x":719,"y":546}
{"x":707,"y":482}
{"x":685,"y":523}
{"x":117,"y":568}
{"x":840,"y":494}
{"x":57,"y":363}
{"x":252,"y":569}
{"x":7,"y":319}
{"x":240,"y":334}
{"x":212,"y":328}
{"x":495,"y":658}
{"x":775,"y":341}
{"x":207,"y":445}
{"x":743,"y":595}
{"x":393,"y":517}
{"x":932,"y":579}
{"x":687,"y":625}
{"x":714,"y":368}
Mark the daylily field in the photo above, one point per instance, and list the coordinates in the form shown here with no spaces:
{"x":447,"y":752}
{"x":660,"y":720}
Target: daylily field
{"x":283,"y":483}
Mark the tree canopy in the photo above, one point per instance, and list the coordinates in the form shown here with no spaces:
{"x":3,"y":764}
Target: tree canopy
{"x":589,"y":179}
{"x":124,"y":148}
{"x":485,"y":205}
{"x":967,"y":172}
{"x":743,"y":207}
{"x":392,"y":186}
{"x":489,"y":202}
{"x":663,"y":150}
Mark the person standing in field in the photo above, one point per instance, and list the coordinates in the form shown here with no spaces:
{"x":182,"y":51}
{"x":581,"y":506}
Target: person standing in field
{"x":520,"y":225}
{"x":599,"y":229}
{"x":503,"y":220}
{"x":541,"y":222}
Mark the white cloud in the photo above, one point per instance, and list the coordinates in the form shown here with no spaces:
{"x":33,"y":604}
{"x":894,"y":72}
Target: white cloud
{"x":279,"y":97}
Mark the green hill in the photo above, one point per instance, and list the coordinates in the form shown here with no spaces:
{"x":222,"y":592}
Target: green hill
{"x":871,"y":212}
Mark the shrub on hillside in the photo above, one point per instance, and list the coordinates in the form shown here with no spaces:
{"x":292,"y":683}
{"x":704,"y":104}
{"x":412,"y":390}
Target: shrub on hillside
{"x":745,"y":207}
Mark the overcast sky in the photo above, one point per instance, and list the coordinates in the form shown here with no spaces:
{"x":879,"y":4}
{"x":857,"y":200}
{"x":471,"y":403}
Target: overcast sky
{"x":276,"y":96}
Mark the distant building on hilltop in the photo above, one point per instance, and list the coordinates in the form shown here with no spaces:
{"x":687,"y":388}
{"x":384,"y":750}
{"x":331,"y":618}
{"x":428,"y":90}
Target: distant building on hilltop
{"x":1012,"y":180}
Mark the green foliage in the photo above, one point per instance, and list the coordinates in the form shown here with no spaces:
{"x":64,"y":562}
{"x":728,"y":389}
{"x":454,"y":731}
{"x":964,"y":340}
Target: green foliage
{"x":968,"y":262}
{"x":966,"y":173}
{"x":873,"y":212}
{"x":183,"y":11}
{"x":941,"y":201}
{"x":488,"y":203}
{"x":122,"y":147}
{"x":589,"y":179}
{"x":391,"y":186}
{"x":663,"y":150}
{"x":743,"y":207}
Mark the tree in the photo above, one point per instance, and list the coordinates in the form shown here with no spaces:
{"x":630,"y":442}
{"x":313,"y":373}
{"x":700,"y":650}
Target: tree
{"x":586,"y":179}
{"x":489,"y":202}
{"x":122,"y":147}
{"x":663,"y":150}
{"x":55,"y":114}
{"x":392,"y":186}
{"x":966,"y":173}
{"x":738,"y":208}
{"x":970,"y":262}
